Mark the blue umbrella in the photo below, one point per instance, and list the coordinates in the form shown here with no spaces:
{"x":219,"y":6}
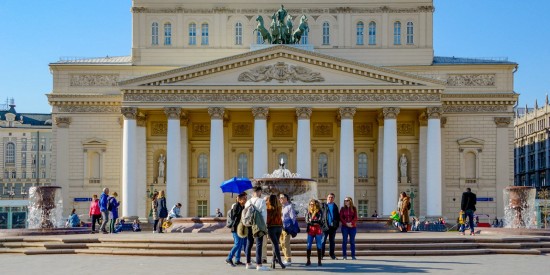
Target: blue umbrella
{"x":236,"y":185}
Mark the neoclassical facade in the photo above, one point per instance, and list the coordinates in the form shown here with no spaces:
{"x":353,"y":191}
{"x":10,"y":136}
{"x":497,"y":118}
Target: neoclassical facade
{"x":361,"y":105}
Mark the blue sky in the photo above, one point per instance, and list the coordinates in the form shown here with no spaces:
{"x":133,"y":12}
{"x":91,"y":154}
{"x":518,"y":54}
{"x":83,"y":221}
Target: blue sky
{"x":35,"y":33}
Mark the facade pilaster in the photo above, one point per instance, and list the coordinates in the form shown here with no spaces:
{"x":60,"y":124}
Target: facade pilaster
{"x":216,"y":158}
{"x":347,"y":159}
{"x":173,"y":157}
{"x":503,"y":174}
{"x":423,"y":147}
{"x":380,"y":170}
{"x":390,"y":160}
{"x":141,"y":155}
{"x":129,"y":162}
{"x":62,"y":160}
{"x":260,"y":141}
{"x":433,"y":163}
{"x":184,"y":120}
{"x":303,"y":157}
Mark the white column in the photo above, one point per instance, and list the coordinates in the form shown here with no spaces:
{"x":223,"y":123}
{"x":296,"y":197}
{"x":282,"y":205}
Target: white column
{"x":141,"y":167}
{"x":184,"y":166}
{"x":422,"y":144}
{"x":347,"y":158}
{"x":61,"y":150}
{"x":260,"y":141}
{"x":173,"y":157}
{"x":390,"y":160}
{"x":503,"y":155}
{"x":303,"y":156}
{"x":380,"y":162}
{"x":216,"y":159}
{"x":129,"y":162}
{"x":433,"y":163}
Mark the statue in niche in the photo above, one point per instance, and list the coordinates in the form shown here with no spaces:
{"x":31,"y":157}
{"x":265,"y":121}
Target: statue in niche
{"x":403,"y":165}
{"x":161,"y":161}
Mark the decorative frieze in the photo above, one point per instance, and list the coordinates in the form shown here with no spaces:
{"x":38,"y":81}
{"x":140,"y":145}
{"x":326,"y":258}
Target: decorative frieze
{"x":434,"y":112}
{"x":141,"y":120}
{"x":322,"y":129}
{"x":346,"y":112}
{"x":242,"y":129}
{"x":390,"y":112}
{"x":201,"y":129}
{"x":503,"y":122}
{"x":226,"y":10}
{"x":405,"y":128}
{"x":172,"y":112}
{"x":363,"y":129}
{"x":216,"y":112}
{"x":282,"y":73}
{"x":471,"y":80}
{"x":62,"y":121}
{"x":129,"y":112}
{"x":475,"y":108}
{"x":159,"y":128}
{"x":282,"y":130}
{"x":94,"y":79}
{"x":260,"y":112}
{"x":88,"y":109}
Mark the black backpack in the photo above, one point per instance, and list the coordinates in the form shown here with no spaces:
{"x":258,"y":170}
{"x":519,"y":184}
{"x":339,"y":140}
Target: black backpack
{"x":230,"y":219}
{"x":109,"y":204}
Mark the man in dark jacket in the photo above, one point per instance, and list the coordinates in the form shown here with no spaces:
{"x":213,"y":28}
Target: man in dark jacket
{"x":332,"y":217}
{"x":468,"y":205}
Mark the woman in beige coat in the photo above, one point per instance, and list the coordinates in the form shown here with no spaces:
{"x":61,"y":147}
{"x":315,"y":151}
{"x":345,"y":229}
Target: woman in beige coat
{"x":403,"y":207}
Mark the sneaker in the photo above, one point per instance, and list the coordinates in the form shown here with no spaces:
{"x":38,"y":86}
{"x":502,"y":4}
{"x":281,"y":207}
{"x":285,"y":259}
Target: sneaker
{"x":287,"y":263}
{"x":229,"y":262}
{"x":353,"y":258}
{"x":334,"y":258}
{"x":239,"y":263}
{"x":262,"y":268}
{"x":472,"y":234}
{"x":344,"y":258}
{"x":249,"y":266}
{"x":264,"y":261}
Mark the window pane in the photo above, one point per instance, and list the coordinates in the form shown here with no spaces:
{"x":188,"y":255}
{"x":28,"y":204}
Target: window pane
{"x":304,"y":40}
{"x":204,"y":34}
{"x":10,"y":152}
{"x":360,"y":28}
{"x":239,"y":34}
{"x":167,"y":34}
{"x":372,"y":33}
{"x":155,"y":34}
{"x":397,"y":33}
{"x":362,"y":166}
{"x":410,"y":33}
{"x":203,"y":166}
{"x":192,"y":34}
{"x":326,"y":33}
{"x":242,"y":170}
{"x":323,"y":165}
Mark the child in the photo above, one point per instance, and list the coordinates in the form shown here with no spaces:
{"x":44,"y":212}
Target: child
{"x":460,"y":222}
{"x":136,"y":226}
{"x":118,"y":225}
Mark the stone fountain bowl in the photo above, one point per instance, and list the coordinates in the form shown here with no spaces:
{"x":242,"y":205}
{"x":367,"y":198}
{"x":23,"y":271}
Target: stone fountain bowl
{"x":44,"y":232}
{"x":289,"y":186}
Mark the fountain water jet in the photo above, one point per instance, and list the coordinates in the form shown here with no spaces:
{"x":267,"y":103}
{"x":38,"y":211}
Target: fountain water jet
{"x":519,"y":207}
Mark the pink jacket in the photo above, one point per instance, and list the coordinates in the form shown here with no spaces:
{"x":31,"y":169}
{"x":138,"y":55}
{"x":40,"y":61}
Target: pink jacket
{"x":94,"y":208}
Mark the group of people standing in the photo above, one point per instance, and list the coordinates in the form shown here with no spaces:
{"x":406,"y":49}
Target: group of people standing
{"x":105,"y":209}
{"x":274,"y":215}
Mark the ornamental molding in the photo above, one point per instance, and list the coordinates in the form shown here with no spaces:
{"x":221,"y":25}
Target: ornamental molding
{"x":423,"y":119}
{"x":88,"y":109}
{"x":390,"y":112}
{"x":475,"y":108}
{"x":363,"y":129}
{"x":200,"y":129}
{"x":282,"y":73}
{"x":184,"y":118}
{"x":405,"y":128}
{"x":226,"y":10}
{"x":62,"y":121}
{"x":86,"y":80}
{"x":471,"y":80}
{"x":159,"y":128}
{"x":260,"y":112}
{"x":172,"y":112}
{"x":503,"y":122}
{"x":129,"y":112}
{"x":322,"y":129}
{"x":303,"y":112}
{"x":434,"y":112}
{"x":141,"y":120}
{"x":216,"y":112}
{"x":242,"y":129}
{"x":282,"y":130}
{"x":346,"y":112}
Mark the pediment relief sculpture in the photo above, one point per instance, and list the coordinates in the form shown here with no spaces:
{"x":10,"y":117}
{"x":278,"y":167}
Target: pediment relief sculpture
{"x":281,"y":72}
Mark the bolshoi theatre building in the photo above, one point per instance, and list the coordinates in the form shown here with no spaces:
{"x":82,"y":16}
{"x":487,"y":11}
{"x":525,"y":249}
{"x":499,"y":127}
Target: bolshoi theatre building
{"x":356,"y":101}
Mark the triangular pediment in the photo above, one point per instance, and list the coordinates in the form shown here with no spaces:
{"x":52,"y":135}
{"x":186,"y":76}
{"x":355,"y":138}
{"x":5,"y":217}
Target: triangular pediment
{"x":470,"y":141}
{"x":94,"y":142}
{"x":282,"y":65}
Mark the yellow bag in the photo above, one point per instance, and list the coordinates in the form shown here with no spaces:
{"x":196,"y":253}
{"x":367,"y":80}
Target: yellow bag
{"x":166,"y":224}
{"x":461,"y":217}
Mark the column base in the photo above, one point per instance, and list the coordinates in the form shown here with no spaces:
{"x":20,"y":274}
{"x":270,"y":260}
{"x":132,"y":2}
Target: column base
{"x":130,"y":219}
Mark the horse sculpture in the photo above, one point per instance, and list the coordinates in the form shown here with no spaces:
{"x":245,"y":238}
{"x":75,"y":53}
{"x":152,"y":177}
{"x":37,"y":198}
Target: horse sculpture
{"x":302,"y":28}
{"x":262,"y":30}
{"x":275,"y":30}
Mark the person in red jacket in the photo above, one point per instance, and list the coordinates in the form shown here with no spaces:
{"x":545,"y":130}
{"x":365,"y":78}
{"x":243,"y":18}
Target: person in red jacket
{"x":348,"y":218}
{"x":95,"y":213}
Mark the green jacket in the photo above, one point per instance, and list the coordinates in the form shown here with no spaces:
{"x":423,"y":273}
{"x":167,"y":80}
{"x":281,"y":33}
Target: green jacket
{"x":259,"y":229}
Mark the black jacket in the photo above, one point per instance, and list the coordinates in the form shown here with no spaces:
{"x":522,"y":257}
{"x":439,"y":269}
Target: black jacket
{"x":236,"y":211}
{"x":468,"y":201}
{"x":335,"y":215}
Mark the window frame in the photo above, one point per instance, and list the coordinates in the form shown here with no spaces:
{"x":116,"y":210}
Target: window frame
{"x":10,"y":153}
{"x":154,"y":34}
{"x":410,"y":33}
{"x":167,"y":34}
{"x":192,"y":32}
{"x":239,"y":33}
{"x":202,"y":167}
{"x":397,"y":33}
{"x":372,"y":33}
{"x":205,"y":34}
{"x":360,"y":33}
{"x":326,"y":33}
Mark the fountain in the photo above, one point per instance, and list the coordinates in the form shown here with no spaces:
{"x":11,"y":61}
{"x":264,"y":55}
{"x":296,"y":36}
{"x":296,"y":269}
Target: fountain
{"x":519,"y":208}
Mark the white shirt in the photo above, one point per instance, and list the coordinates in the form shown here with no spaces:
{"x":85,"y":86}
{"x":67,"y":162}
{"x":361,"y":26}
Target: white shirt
{"x":260,"y":205}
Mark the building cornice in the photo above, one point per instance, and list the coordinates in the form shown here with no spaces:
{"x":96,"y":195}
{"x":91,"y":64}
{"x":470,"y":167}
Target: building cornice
{"x":310,"y":11}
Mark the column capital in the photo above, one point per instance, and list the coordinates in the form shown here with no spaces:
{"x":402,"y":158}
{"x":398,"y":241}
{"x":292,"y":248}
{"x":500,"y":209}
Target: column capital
{"x":503,"y":122}
{"x":63,"y":121}
{"x":303,"y":112}
{"x":141,"y":120}
{"x":390,"y":112}
{"x":423,"y":119}
{"x":434,"y":112}
{"x":129,"y":112}
{"x":184,"y":118}
{"x":172,"y":112}
{"x":216,"y":112}
{"x":260,"y":112}
{"x":346,"y":112}
{"x":380,"y":118}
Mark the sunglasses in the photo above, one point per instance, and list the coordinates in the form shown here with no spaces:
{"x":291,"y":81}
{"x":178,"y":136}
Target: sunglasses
{"x":346,"y":200}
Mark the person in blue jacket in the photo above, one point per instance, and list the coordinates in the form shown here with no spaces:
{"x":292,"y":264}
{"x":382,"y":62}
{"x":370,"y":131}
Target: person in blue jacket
{"x":73,"y":220}
{"x":103,"y":208}
{"x":113,"y":212}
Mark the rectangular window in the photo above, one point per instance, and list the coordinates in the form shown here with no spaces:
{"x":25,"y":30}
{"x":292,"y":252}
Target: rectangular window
{"x":397,"y":33}
{"x":23,"y":174}
{"x":167,"y":34}
{"x":363,"y":208}
{"x":202,"y":208}
{"x":204,"y":34}
{"x":192,"y":34}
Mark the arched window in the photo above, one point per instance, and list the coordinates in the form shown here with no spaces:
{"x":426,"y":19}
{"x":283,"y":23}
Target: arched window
{"x":470,"y":161}
{"x":203,"y":166}
{"x":323,"y":165}
{"x":204,"y":34}
{"x":242,"y":170}
{"x":359,"y":31}
{"x":326,"y":33}
{"x":167,"y":34}
{"x":10,"y":152}
{"x":304,"y":40}
{"x":259,"y":38}
{"x":192,"y":34}
{"x":284,"y":157}
{"x":397,"y":33}
{"x":362,"y":171}
{"x":155,"y":33}
{"x":410,"y":33}
{"x":238,"y":33}
{"x":372,"y":33}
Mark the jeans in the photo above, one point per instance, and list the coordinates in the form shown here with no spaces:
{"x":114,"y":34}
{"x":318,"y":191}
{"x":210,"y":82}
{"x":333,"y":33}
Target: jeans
{"x":351,"y":232}
{"x":95,"y":219}
{"x":274,"y":233}
{"x":470,"y":215}
{"x":331,"y":234}
{"x":250,"y":242}
{"x":236,"y":250}
{"x":105,"y":218}
{"x":318,"y":241}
